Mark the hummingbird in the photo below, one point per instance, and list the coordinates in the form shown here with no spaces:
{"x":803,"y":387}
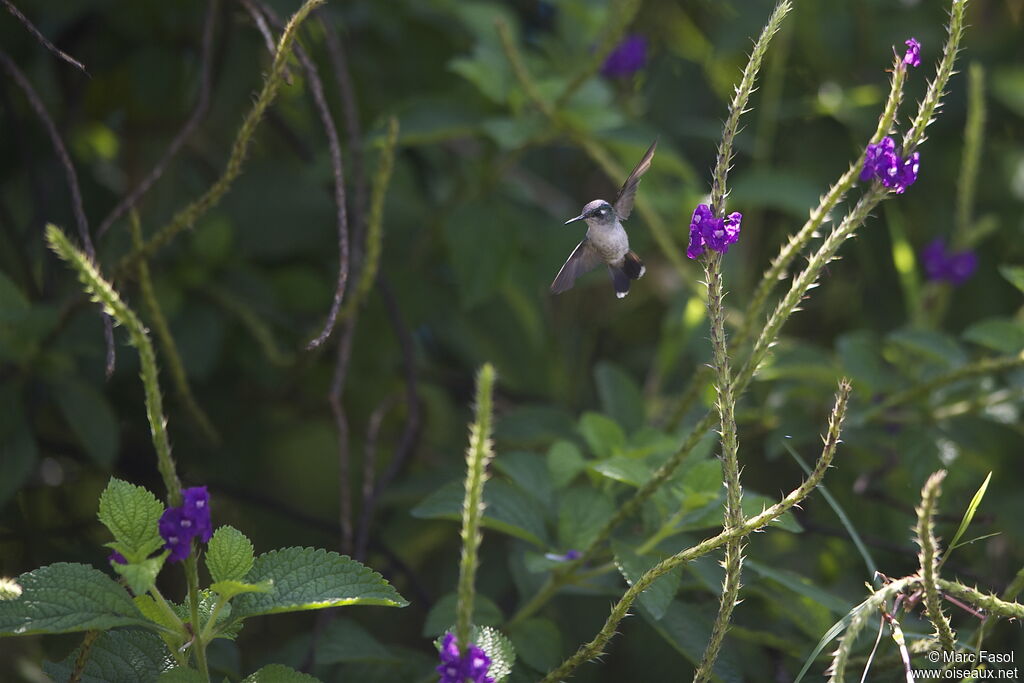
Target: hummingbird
{"x":606,"y":240}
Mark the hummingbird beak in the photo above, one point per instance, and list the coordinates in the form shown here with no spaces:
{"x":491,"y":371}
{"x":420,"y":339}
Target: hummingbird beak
{"x":573,"y":220}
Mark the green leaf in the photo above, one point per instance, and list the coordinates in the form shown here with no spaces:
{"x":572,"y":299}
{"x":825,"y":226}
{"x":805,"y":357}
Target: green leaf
{"x":620,"y":396}
{"x":972,"y":508}
{"x":140,"y":576}
{"x":346,"y":641}
{"x":632,"y":471}
{"x":801,"y":585}
{"x":687,"y":628}
{"x":118,"y":656}
{"x":538,"y":643}
{"x":131,"y":513}
{"x":565,"y":462}
{"x":230,"y":588}
{"x":487,"y":69}
{"x":998,"y":334}
{"x":63,"y":597}
{"x":229,"y":555}
{"x":928,"y":344}
{"x":147,"y":605}
{"x":662,"y":592}
{"x":498,"y":648}
{"x":1014,"y":275}
{"x":507,"y":510}
{"x":279,"y":673}
{"x":91,"y":419}
{"x":442,"y":614}
{"x":603,"y":435}
{"x":581,"y":514}
{"x":309,"y":578}
{"x":529,"y":472}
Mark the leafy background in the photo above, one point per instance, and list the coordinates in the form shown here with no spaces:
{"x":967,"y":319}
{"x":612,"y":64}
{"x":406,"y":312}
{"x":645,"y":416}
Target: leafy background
{"x":473,"y":237}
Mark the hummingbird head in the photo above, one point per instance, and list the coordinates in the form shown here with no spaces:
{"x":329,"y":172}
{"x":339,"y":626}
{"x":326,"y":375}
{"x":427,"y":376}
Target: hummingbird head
{"x":597,"y":212}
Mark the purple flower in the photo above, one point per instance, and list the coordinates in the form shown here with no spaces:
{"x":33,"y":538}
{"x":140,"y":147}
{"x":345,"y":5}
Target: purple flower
{"x":197,"y":508}
{"x":456,"y":668}
{"x":627,"y":58}
{"x":942,"y":265}
{"x":117,"y":557}
{"x":882,"y":162}
{"x":713,"y":233}
{"x":569,"y":556}
{"x":179,"y":525}
{"x":177,"y":531}
{"x":913,"y":56}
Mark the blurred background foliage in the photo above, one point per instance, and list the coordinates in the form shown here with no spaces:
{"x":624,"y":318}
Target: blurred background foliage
{"x":588,"y":385}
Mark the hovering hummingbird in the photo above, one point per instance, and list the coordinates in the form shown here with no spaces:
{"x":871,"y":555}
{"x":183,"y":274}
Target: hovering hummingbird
{"x":606,"y":240}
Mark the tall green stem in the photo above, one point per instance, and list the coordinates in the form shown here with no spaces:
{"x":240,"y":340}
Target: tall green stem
{"x":104,"y":293}
{"x":478,"y":456}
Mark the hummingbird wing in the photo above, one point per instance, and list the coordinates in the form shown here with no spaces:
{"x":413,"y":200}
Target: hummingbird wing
{"x":624,"y":202}
{"x":583,"y":259}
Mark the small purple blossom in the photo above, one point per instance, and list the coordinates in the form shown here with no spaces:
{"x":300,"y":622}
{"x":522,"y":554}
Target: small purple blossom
{"x":569,"y":556}
{"x":882,"y":162}
{"x":710,"y":232}
{"x":913,"y":55}
{"x":628,"y":57}
{"x":943,"y":265}
{"x":196,"y":502}
{"x":116,"y":557}
{"x":179,"y":525}
{"x":176,"y":530}
{"x":456,"y":668}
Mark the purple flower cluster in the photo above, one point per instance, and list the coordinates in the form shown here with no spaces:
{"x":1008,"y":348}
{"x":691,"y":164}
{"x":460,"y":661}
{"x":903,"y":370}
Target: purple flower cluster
{"x":913,"y":55}
{"x":628,"y":57}
{"x":881,"y":161}
{"x":456,"y":668}
{"x":179,"y":525}
{"x":713,"y":233}
{"x":944,"y":265}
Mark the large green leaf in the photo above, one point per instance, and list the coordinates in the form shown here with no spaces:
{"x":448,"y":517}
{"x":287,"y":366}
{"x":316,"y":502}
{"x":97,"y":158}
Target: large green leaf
{"x":229,"y":555}
{"x":311,"y":578}
{"x":507,"y":510}
{"x":632,"y":566}
{"x":529,"y":471}
{"x":620,"y":396}
{"x":346,"y":641}
{"x":131,"y":514}
{"x":63,"y":597}
{"x":999,"y":334}
{"x":118,"y":656}
{"x":603,"y":434}
{"x":538,"y":643}
{"x":581,"y":514}
{"x":565,"y":462}
{"x":632,"y":471}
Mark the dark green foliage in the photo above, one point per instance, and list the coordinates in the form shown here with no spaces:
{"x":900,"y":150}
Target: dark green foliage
{"x":472,"y":236}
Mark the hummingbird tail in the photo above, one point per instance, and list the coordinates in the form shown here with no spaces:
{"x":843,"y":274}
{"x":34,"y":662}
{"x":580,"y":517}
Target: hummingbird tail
{"x":620,"y":281}
{"x":632,"y":266}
